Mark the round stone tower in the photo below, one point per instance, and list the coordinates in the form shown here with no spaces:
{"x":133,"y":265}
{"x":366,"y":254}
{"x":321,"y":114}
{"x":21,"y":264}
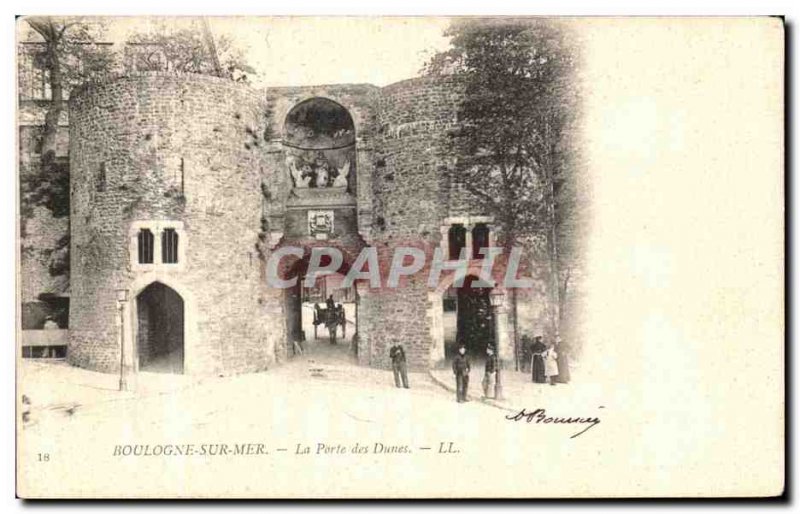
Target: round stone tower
{"x":165,"y":219}
{"x":411,"y":200}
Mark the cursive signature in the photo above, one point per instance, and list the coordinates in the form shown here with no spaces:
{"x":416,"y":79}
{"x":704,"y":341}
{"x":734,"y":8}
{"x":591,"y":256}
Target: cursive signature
{"x":540,"y":416}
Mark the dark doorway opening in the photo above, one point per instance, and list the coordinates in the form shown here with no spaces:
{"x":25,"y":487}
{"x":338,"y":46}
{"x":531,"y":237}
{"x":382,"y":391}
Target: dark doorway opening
{"x":320,"y":320}
{"x":468,"y":311}
{"x":160,"y":329}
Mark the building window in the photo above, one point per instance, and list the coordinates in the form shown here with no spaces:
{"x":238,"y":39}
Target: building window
{"x":40,"y":78}
{"x":146,"y":241}
{"x":160,"y":245}
{"x":169,"y":246}
{"x":480,"y":239}
{"x":456,"y":240}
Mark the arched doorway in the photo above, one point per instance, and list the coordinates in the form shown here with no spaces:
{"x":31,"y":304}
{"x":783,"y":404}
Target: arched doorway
{"x":321,"y":319}
{"x":160,"y":329}
{"x":467,"y":318}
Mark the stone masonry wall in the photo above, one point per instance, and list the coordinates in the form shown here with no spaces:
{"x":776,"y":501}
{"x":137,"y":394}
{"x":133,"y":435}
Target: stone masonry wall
{"x":207,"y":153}
{"x":42,"y":230}
{"x":410,"y":201}
{"x":174,"y":147}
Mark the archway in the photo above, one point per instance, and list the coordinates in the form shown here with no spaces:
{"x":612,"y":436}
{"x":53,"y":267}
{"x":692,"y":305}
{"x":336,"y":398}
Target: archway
{"x":321,"y":320}
{"x":319,"y":140}
{"x":467,"y":318}
{"x":443,"y":318}
{"x":160,"y":329}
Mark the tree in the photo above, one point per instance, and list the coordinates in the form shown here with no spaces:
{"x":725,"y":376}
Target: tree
{"x":72,"y":51}
{"x":187,"y":48}
{"x":70,"y":54}
{"x":511,"y":145}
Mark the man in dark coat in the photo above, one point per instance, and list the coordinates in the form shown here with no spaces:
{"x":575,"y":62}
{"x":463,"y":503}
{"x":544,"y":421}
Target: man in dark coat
{"x":461,"y":369}
{"x":537,"y":360}
{"x":398,"y":356}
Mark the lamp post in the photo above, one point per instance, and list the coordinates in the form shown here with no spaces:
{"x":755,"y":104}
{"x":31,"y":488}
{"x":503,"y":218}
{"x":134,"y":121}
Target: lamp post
{"x":496,"y":299}
{"x":122,"y":299}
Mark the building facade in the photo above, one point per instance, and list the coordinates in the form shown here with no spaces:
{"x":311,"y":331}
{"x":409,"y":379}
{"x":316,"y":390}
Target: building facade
{"x":183,"y":187}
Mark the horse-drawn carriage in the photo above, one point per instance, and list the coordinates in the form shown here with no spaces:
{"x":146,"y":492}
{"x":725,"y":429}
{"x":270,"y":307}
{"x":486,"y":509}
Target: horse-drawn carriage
{"x":332,"y":317}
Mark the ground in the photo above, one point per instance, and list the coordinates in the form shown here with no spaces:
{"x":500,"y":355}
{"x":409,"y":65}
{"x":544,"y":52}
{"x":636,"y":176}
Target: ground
{"x":321,"y":402}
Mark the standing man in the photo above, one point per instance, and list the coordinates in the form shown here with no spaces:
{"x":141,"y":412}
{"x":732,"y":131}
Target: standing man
{"x":490,"y":373}
{"x":461,"y":369}
{"x":398,"y":356}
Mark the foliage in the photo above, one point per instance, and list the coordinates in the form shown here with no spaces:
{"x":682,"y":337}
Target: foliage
{"x":186,"y":49}
{"x":79,"y":46}
{"x":69,"y":53}
{"x":514,"y":136}
{"x":59,"y":257}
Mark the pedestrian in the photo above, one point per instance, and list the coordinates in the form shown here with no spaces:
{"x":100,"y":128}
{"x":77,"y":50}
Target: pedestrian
{"x":551,"y":364}
{"x":341,"y":319}
{"x":399,"y":368}
{"x":537,"y":360}
{"x":525,"y":359}
{"x":461,"y":369}
{"x":563,"y":361}
{"x":490,"y":373}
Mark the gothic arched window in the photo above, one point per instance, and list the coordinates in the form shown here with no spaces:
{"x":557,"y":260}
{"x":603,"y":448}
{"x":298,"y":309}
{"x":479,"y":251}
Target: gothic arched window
{"x":145,"y":246}
{"x":480,"y":239}
{"x":456,"y":241}
{"x":169,"y":246}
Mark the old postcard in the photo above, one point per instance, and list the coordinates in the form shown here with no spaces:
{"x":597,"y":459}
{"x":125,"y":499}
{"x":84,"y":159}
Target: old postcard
{"x":388,"y":257}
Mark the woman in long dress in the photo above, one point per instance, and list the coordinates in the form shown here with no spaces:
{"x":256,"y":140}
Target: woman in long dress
{"x":538,"y":350}
{"x":551,"y":364}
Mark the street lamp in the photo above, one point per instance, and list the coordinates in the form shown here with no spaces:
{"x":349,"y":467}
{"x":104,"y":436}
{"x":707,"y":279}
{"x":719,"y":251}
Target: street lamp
{"x":496,"y":298}
{"x":122,"y":299}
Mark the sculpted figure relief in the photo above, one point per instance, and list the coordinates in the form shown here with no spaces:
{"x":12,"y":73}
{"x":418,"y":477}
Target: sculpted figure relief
{"x":341,"y":177}
{"x":300,"y":176}
{"x":318,"y":173}
{"x":322,"y":174}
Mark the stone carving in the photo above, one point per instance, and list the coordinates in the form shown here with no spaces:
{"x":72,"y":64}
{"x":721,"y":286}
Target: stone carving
{"x":320,"y":224}
{"x":316,"y":172}
{"x":341,"y":177}
{"x":300,"y":179}
{"x":323,"y":175}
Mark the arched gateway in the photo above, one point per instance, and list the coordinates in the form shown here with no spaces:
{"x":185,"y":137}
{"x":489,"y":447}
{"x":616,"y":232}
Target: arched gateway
{"x":160,"y":329}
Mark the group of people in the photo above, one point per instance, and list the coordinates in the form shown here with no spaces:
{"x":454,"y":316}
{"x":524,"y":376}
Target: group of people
{"x":547,"y":365}
{"x":547,"y":361}
{"x":462,"y":367}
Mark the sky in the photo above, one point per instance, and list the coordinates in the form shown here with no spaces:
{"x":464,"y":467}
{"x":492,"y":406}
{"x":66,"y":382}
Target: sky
{"x":296,"y":51}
